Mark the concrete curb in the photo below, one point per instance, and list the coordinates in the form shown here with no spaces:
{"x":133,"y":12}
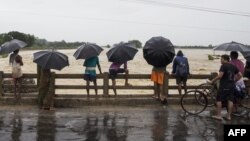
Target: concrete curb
{"x":79,"y":102}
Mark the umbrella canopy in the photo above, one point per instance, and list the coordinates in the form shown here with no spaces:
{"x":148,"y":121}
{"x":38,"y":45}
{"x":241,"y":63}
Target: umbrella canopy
{"x":87,"y":50}
{"x":121,"y":53}
{"x":51,"y":59}
{"x":246,"y":55}
{"x":233,"y":46}
{"x":11,"y":46}
{"x":158,"y":51}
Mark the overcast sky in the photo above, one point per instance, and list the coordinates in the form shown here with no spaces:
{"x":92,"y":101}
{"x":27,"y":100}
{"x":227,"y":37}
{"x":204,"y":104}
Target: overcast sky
{"x":184,"y":22}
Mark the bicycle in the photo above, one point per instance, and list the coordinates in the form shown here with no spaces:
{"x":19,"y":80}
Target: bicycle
{"x":205,"y":95}
{"x":190,"y":104}
{"x":210,"y":90}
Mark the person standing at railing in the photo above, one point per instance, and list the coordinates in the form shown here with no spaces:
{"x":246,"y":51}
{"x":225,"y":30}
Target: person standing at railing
{"x":227,"y":75}
{"x":90,"y":72}
{"x":114,"y":69}
{"x":157,"y":76}
{"x":181,"y":71}
{"x":16,"y":62}
{"x":43,"y":89}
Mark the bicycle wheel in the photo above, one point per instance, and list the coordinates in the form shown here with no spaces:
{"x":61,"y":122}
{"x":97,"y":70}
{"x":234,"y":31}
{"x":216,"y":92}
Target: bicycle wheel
{"x":191,"y":105}
{"x":210,"y":91}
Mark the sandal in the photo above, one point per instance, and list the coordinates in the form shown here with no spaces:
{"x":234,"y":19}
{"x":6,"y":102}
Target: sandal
{"x":216,"y":117}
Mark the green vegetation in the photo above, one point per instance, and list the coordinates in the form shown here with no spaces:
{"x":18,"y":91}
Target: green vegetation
{"x":27,"y":38}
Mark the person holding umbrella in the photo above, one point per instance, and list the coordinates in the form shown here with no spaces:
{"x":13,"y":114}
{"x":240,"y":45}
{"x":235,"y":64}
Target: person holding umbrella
{"x":44,"y":89}
{"x":114,"y":69}
{"x":12,"y":56}
{"x":157,"y":76}
{"x":90,"y":72}
{"x":47,"y":60}
{"x":89,"y":52}
{"x":119,"y":55}
{"x":159,"y":52}
{"x":17,"y":74}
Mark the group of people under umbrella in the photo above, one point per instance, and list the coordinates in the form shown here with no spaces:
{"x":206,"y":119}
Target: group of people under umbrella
{"x":158,"y":52}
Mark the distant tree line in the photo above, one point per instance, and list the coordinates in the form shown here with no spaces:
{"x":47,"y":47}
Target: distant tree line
{"x":27,"y":38}
{"x":37,"y":43}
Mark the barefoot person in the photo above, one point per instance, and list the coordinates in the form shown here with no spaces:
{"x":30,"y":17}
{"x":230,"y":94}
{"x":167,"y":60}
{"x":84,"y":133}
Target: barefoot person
{"x":90,"y":72}
{"x":227,"y":77}
{"x":16,"y":61}
{"x":181,"y":71}
{"x":157,"y":76}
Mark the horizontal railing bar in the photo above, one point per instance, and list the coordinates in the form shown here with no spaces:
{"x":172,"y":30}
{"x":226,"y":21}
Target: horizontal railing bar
{"x":119,"y":76}
{"x":101,"y":87}
{"x":23,"y":86}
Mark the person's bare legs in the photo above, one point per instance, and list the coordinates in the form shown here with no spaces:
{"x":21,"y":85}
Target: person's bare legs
{"x":95,"y":85}
{"x":87,"y":88}
{"x":19,"y":85}
{"x":126,"y":78}
{"x":15,"y":88}
{"x":162,"y":95}
{"x":113,"y":85}
{"x":218,"y":108}
{"x":185,"y":87}
{"x":230,"y":109}
{"x":157,"y":93}
{"x":179,"y":89}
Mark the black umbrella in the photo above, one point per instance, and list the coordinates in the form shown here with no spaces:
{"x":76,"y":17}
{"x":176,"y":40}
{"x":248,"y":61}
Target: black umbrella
{"x":51,"y":59}
{"x":246,"y":55}
{"x":121,"y":53}
{"x":232,"y":46}
{"x":11,"y":46}
{"x":87,"y":50}
{"x":158,"y":51}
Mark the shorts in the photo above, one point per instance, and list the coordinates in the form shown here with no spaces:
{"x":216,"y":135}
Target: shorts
{"x":157,"y":77}
{"x":89,"y":77}
{"x":113,"y":73}
{"x":225,"y":94}
{"x":181,"y":79}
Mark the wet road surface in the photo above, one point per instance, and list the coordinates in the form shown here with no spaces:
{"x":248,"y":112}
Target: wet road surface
{"x":110,"y":123}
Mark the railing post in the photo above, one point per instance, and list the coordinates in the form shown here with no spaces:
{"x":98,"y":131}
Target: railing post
{"x":105,"y":84}
{"x":166,"y":83}
{"x":1,"y":83}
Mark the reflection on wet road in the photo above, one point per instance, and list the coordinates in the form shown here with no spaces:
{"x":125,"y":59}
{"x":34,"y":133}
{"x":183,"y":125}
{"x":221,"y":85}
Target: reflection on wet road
{"x":106,"y":123}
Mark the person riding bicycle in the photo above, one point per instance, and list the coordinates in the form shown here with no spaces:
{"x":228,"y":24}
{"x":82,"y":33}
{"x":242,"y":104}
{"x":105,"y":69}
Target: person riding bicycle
{"x":227,"y":77}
